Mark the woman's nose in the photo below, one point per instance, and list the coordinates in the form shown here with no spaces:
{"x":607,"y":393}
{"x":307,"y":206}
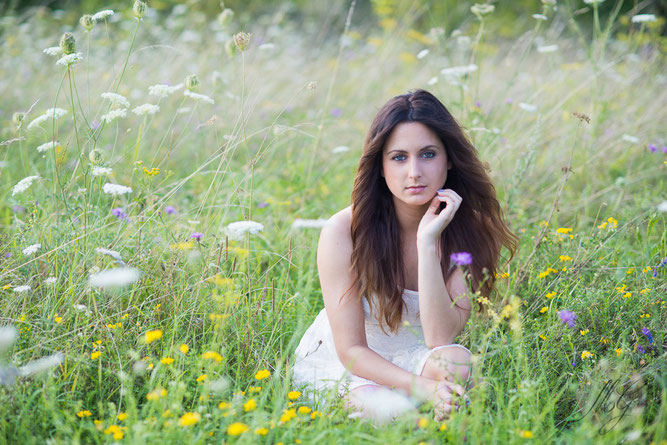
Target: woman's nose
{"x":414,"y":171}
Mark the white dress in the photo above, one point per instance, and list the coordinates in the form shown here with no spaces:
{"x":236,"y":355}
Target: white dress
{"x":317,"y":364}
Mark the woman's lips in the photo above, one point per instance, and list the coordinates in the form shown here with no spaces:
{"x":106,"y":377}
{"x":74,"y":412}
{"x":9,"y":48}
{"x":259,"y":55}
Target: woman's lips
{"x":416,"y":190}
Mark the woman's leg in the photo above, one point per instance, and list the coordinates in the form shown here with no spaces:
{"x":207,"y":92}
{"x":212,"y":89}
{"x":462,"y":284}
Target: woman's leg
{"x":451,"y":362}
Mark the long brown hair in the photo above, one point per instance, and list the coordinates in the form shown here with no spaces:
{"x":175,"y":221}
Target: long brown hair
{"x":477,"y":227}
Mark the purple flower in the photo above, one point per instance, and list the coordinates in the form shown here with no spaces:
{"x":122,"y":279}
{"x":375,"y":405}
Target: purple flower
{"x":196,"y":235}
{"x":478,"y":104}
{"x":119,"y":213}
{"x":95,"y":125}
{"x":664,"y":149}
{"x":170,"y":210}
{"x":461,"y":258}
{"x":653,"y":148}
{"x":336,"y":112}
{"x":509,"y":100}
{"x":640,"y":348}
{"x":261,"y":205}
{"x":18,"y":208}
{"x":647,"y":333}
{"x":8,"y":255}
{"x":567,"y":317}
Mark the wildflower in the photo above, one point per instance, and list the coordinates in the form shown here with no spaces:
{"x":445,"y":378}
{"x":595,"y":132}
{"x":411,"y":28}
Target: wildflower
{"x":84,"y":413}
{"x":262,"y":374}
{"x":442,"y":427}
{"x":652,"y":148}
{"x":593,"y":2}
{"x":23,"y":184}
{"x":87,"y":21}
{"x":564,"y":230}
{"x":119,"y":213}
{"x":47,"y":146}
{"x":423,"y":53}
{"x":550,"y":295}
{"x":547,"y":49}
{"x":293,"y":395}
{"x":643,"y":18}
{"x":249,"y":405}
{"x":527,"y":107}
{"x":241,"y":40}
{"x":146,"y":109}
{"x":604,"y":340}
{"x":525,"y":434}
{"x":58,"y":319}
{"x":482,"y":9}
{"x":112,"y":253}
{"x":547,"y":272}
{"x":156,"y":394}
{"x":67,"y":43}
{"x":139,"y":9}
{"x":643,"y":291}
{"x":115,"y":189}
{"x":544,"y":309}
{"x":114,"y":114}
{"x":312,"y":86}
{"x":237,"y":428}
{"x":70,"y":59}
{"x":31,"y":249}
{"x":121,"y":416}
{"x":618,"y":352}
{"x":102,"y":15}
{"x":340,"y":149}
{"x":261,"y":431}
{"x":236,"y":229}
{"x":225,"y":17}
{"x":223,"y":405}
{"x":161,"y":90}
{"x":539,"y":16}
{"x":41,"y":365}
{"x":461,"y":258}
{"x":647,"y":333}
{"x":151,"y":336}
{"x":50,"y":280}
{"x":564,"y":258}
{"x":288,"y":415}
{"x":167,"y":361}
{"x":202,"y":378}
{"x":212,"y":355}
{"x":169,"y":210}
{"x":422,"y":422}
{"x":542,"y":337}
{"x":95,"y":355}
{"x":184,"y":348}
{"x":196,"y":96}
{"x":196,"y":235}
{"x":662,"y":207}
{"x":189,"y":419}
{"x":640,"y":348}
{"x":303,"y":410}
{"x":53,"y":51}
{"x":584,"y":331}
{"x":192,"y":82}
{"x":567,"y":317}
{"x":100,"y":171}
{"x":458,"y":71}
{"x":120,"y":276}
{"x":20,"y":289}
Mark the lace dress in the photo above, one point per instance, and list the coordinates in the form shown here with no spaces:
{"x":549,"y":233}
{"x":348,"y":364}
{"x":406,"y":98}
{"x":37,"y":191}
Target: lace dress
{"x":317,"y":364}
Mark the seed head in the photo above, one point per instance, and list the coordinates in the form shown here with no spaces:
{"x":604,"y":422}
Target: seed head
{"x":192,"y":82}
{"x":582,"y":117}
{"x":139,"y":8}
{"x":96,"y":156}
{"x":241,"y":40}
{"x":230,"y":49}
{"x":67,"y":43}
{"x":87,"y":21}
{"x":18,"y":117}
{"x":482,"y":9}
{"x":225,"y":17}
{"x":312,"y":86}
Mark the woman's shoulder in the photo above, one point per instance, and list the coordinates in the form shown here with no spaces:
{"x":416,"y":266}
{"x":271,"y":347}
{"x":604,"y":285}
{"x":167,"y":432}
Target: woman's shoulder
{"x":337,"y":227}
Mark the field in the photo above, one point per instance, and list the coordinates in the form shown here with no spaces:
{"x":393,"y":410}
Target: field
{"x":134,"y":310}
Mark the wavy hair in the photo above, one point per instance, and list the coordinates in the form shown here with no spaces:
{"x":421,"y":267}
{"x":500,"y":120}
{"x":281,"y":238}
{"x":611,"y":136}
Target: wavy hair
{"x":478,"y":227}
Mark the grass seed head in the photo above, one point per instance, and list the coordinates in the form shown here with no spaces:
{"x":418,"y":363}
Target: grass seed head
{"x":192,"y":82}
{"x":241,"y":40}
{"x":139,"y":9}
{"x":87,"y":21}
{"x":67,"y":43}
{"x":18,"y":117}
{"x":96,"y":156}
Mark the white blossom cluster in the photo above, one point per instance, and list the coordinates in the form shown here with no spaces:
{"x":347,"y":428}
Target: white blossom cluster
{"x":23,"y":184}
{"x":236,"y":229}
{"x":101,"y":171}
{"x":308,"y":223}
{"x":146,"y":109}
{"x":53,"y":51}
{"x":70,"y":59}
{"x":102,"y":15}
{"x":161,"y":90}
{"x":115,"y":189}
{"x":121,"y":276}
{"x":48,"y":146}
{"x":116,"y":99}
{"x":31,"y":249}
{"x":114,"y":114}
{"x":51,"y":112}
{"x":197,"y":96}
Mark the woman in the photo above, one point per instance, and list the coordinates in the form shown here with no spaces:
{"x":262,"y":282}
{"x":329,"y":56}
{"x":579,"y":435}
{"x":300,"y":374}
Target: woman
{"x":394,"y":299}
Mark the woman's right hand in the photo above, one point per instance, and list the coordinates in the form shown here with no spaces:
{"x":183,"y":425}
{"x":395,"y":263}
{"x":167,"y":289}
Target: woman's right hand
{"x":445,"y":396}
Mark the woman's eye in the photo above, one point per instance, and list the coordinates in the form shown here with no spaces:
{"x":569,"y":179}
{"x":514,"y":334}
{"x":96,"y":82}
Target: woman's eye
{"x":429,"y":154}
{"x":396,"y":158}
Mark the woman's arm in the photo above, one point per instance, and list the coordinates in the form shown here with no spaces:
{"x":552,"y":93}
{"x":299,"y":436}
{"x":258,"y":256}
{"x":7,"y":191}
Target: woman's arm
{"x":441,"y":322}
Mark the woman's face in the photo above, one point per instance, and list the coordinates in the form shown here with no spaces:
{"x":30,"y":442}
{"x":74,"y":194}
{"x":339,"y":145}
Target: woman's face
{"x":414,"y":163}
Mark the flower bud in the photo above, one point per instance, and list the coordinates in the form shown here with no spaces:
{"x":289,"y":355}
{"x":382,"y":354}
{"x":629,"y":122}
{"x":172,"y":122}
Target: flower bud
{"x":192,"y":82}
{"x":225,"y":17}
{"x":18,"y":117}
{"x":87,"y":21}
{"x":312,"y":86}
{"x":230,"y":49}
{"x":67,"y":43}
{"x":241,"y":40}
{"x":482,"y":9}
{"x":96,"y":156}
{"x":139,"y":9}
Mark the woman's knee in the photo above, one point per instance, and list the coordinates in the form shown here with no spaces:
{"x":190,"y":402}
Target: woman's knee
{"x":453,"y":364}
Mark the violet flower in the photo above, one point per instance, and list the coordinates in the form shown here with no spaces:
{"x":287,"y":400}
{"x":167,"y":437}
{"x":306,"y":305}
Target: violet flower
{"x":196,"y":235}
{"x":170,"y":210}
{"x":640,"y":348}
{"x":336,"y":112}
{"x":647,"y":333}
{"x":653,"y":148}
{"x":461,"y":258}
{"x":567,"y":317}
{"x":119,"y":213}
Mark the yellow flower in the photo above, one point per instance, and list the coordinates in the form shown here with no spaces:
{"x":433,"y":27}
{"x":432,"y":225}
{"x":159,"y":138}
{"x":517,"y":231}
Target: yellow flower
{"x":564,"y":269}
{"x":84,"y":413}
{"x":212,"y":355}
{"x":151,"y":336}
{"x":643,"y":291}
{"x":167,"y":361}
{"x":604,"y":340}
{"x":388,"y":24}
{"x":627,"y":295}
{"x":646,"y":269}
{"x":550,"y":295}
{"x":187,"y":245}
{"x":422,"y":422}
{"x":564,"y":230}
{"x":564,"y":258}
{"x":156,"y":394}
{"x":544,"y":309}
{"x":585,"y":355}
{"x":95,"y":355}
{"x":542,"y":337}
{"x":603,"y":225}
{"x":202,"y":377}
{"x":525,"y":434}
{"x":443,"y":427}
{"x":219,"y":281}
{"x":612,"y":221}
{"x":293,"y":395}
{"x":58,"y":319}
{"x":250,"y":405}
{"x":303,"y":410}
{"x":630,"y":271}
{"x":583,"y":332}
{"x":223,"y":405}
{"x":239,"y":251}
{"x":115,"y":430}
{"x":620,"y":289}
{"x":261,"y":431}
{"x":121,"y":416}
{"x":288,"y":415}
{"x":255,"y":389}
{"x":261,"y":375}
{"x":184,"y":348}
{"x":7,"y":286}
{"x":407,"y":57}
{"x":237,"y":428}
{"x":645,"y":316}
{"x":188,"y":419}
{"x":618,"y":351}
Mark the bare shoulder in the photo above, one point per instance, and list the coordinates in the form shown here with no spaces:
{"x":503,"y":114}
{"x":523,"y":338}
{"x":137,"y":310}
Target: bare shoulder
{"x":339,"y":224}
{"x":335,"y":246}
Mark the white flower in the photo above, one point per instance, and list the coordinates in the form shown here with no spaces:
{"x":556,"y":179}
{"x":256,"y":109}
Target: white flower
{"x":31,"y":249}
{"x":539,"y":16}
{"x":70,"y":59}
{"x":161,"y":90}
{"x":82,"y":308}
{"x":121,"y":276}
{"x":432,"y":81}
{"x":236,"y":229}
{"x":101,"y":171}
{"x":266,"y":47}
{"x":115,"y":189}
{"x":112,"y":253}
{"x":183,"y":110}
{"x":114,"y":114}
{"x":547,"y":48}
{"x":662,"y":207}
{"x":630,"y":138}
{"x":23,"y":288}
{"x":23,"y":184}
{"x":103,"y":14}
{"x":51,"y":112}
{"x":48,"y":146}
{"x":146,"y":109}
{"x":308,"y":223}
{"x":116,"y":99}
{"x":41,"y":365}
{"x":50,"y":280}
{"x":340,"y":149}
{"x":643,"y":18}
{"x":592,"y":2}
{"x":459,"y":71}
{"x":423,"y":53}
{"x":197,"y":96}
{"x":53,"y":51}
{"x":527,"y":107}
{"x":7,"y":337}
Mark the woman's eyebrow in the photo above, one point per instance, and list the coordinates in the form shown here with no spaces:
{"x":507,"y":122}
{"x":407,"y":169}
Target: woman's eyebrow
{"x":399,"y":150}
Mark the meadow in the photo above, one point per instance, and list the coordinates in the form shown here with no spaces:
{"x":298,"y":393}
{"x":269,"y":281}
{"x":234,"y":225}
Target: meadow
{"x":164,"y":177}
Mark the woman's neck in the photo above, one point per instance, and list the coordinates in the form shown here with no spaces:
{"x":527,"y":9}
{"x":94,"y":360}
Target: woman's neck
{"x":408,"y":217}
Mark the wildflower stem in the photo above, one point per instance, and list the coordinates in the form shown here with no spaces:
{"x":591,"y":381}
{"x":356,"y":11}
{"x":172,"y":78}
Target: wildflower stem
{"x":127,"y":57}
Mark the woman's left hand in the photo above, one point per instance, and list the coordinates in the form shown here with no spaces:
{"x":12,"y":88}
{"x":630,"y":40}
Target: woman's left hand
{"x":432,"y":224}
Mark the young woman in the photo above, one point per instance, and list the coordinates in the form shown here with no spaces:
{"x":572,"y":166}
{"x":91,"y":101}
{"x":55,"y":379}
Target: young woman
{"x":394,"y":299}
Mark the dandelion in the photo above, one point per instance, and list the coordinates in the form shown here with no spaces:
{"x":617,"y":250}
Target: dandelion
{"x":115,"y":189}
{"x":84,"y":413}
{"x":53,"y":51}
{"x":146,"y":109}
{"x":236,"y":229}
{"x":151,"y":336}
{"x":567,"y":317}
{"x":184,"y":348}
{"x":161,"y":90}
{"x":461,"y":258}
{"x":70,"y":59}
{"x":31,"y":249}
{"x":547,"y":49}
{"x":189,"y":419}
{"x":237,"y":428}
{"x":212,"y":355}
{"x":528,"y":107}
{"x":199,"y":97}
{"x":21,"y":289}
{"x":101,"y":171}
{"x":261,"y":431}
{"x":114,"y":114}
{"x":102,"y":15}
{"x":241,"y":40}
{"x":643,"y":18}
{"x":112,"y":278}
{"x":23,"y":184}
{"x":167,"y":361}
{"x":262,"y":374}
{"x":293,"y":395}
{"x":303,"y":410}
{"x":288,"y":415}
{"x":249,"y":405}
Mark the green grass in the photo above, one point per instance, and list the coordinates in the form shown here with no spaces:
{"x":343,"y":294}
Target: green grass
{"x":263,"y":152}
